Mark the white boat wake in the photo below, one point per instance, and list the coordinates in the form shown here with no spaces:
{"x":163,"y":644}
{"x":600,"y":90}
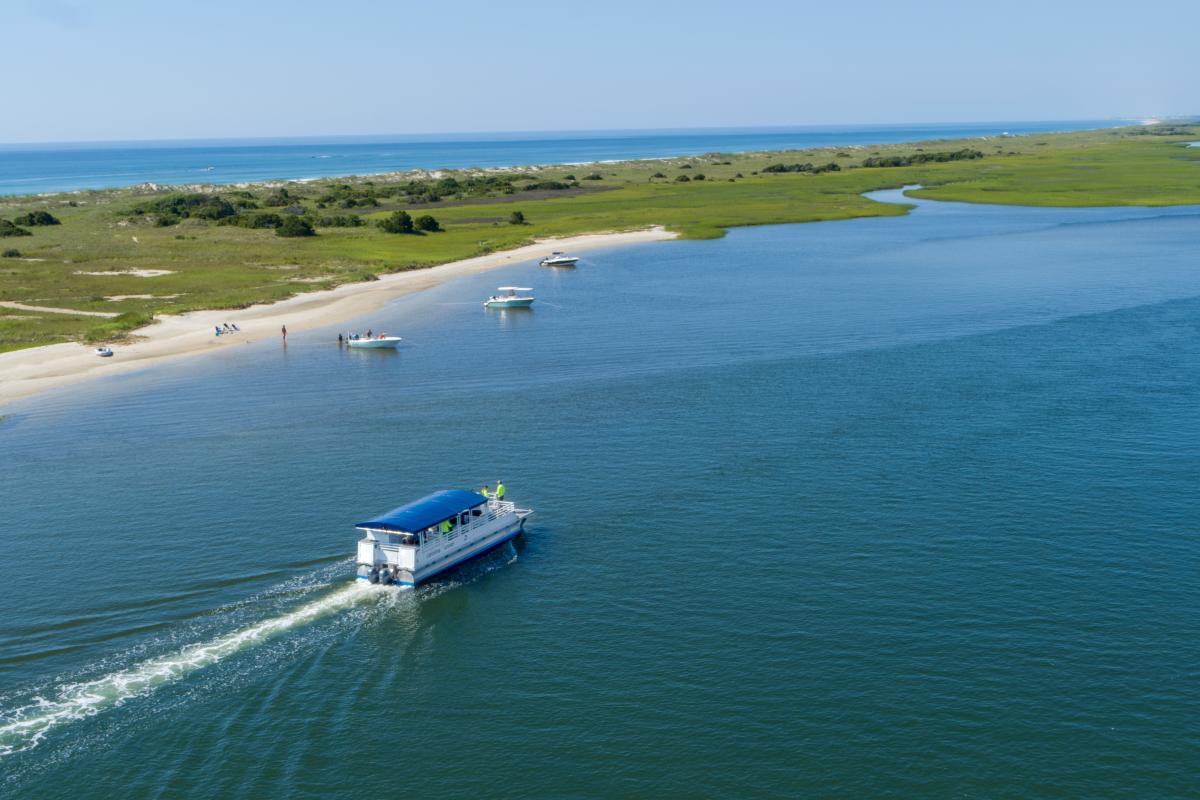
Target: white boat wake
{"x":23,"y":728}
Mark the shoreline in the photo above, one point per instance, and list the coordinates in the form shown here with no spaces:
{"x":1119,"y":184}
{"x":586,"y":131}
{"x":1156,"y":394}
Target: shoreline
{"x":34,"y":370}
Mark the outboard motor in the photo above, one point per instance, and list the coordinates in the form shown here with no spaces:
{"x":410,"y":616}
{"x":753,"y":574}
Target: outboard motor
{"x":374,"y":576}
{"x":385,"y":576}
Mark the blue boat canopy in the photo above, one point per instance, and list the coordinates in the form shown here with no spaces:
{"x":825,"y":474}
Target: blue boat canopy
{"x":426,"y":512}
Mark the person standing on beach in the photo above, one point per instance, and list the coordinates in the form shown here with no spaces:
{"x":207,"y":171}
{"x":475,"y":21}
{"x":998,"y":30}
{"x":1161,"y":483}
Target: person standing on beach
{"x":285,"y":333}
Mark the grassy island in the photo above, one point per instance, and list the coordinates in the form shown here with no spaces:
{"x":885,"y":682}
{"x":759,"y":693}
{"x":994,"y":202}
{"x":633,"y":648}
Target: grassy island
{"x":119,"y":257}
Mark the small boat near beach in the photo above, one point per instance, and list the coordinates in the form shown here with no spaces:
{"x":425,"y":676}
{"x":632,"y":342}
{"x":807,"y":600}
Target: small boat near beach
{"x":379,"y":342}
{"x":510,"y":300}
{"x":558,"y":259}
{"x":426,"y":537}
{"x":104,"y":352}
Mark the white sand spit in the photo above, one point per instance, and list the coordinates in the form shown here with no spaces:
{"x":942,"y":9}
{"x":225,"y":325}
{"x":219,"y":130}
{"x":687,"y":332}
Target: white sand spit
{"x":37,"y":369}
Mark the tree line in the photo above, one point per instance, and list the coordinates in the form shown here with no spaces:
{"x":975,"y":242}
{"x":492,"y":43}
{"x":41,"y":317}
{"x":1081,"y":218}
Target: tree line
{"x":966,"y":154}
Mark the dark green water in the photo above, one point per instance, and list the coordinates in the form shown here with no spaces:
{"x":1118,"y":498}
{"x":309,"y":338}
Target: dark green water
{"x":894,"y":507}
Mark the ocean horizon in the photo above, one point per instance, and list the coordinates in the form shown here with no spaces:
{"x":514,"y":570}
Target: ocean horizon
{"x":35,"y":168}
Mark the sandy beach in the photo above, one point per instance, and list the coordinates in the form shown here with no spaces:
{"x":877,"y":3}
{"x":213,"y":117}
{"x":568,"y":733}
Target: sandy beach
{"x":24,"y":373}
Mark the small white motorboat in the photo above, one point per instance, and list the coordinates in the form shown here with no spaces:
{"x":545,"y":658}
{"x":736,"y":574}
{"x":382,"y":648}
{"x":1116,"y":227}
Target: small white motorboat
{"x":104,"y":352}
{"x":510,"y":300}
{"x":558,"y":259}
{"x":379,"y":342}
{"x":414,"y":542}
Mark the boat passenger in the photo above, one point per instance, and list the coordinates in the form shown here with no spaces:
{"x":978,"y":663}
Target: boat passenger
{"x":485,"y":491}
{"x":499,"y":490}
{"x":444,"y":526}
{"x":368,"y":333}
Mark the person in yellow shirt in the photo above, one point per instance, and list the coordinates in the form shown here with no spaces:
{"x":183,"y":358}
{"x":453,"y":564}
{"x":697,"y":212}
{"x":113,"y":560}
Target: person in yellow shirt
{"x":499,"y":490}
{"x":485,"y":491}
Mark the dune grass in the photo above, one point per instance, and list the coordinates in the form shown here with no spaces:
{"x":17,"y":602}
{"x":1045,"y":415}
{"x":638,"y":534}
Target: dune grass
{"x":213,"y":266}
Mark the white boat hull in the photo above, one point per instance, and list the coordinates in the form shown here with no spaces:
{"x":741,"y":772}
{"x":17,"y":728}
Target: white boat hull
{"x":509,"y":302}
{"x":386,"y":343}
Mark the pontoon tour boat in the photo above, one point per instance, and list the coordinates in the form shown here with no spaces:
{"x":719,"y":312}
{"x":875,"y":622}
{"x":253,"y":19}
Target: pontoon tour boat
{"x":558,"y":259}
{"x":380,"y":342}
{"x":104,"y":352}
{"x":414,"y":542}
{"x":511,"y":299}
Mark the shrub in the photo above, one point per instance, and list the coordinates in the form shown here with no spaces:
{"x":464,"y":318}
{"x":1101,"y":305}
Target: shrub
{"x":34,"y":218}
{"x":174,"y":207}
{"x":569,"y":178}
{"x":11,"y":252}
{"x":278,"y":198}
{"x":427,"y":223}
{"x":682,"y":179}
{"x":398,"y":222}
{"x":806,"y":167}
{"x":516,"y":218}
{"x":341,"y":221}
{"x":699,"y":176}
{"x":8,"y":229}
{"x":294,"y":226}
{"x":554,"y":186}
{"x":658,"y":175}
{"x":738,"y":175}
{"x":261,"y":221}
{"x":966,"y":154}
{"x":595,"y":176}
{"x":686,"y":166}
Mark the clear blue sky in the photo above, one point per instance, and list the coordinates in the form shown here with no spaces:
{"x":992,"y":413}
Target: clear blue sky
{"x":128,"y":69}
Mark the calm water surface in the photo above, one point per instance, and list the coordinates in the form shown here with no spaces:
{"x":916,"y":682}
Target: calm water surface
{"x":888,"y":507}
{"x":28,"y":169}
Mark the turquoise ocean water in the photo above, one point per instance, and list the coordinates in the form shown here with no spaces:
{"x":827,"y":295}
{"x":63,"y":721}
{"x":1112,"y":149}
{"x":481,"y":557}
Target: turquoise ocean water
{"x":28,"y":169}
{"x":900,"y":507}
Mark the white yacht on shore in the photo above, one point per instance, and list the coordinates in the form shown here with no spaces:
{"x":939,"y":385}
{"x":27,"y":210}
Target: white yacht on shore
{"x":416,"y":541}
{"x":558,"y":259}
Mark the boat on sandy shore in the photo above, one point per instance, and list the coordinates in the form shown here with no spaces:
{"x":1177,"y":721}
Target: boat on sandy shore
{"x":104,"y":352}
{"x":558,"y":259}
{"x":416,"y":541}
{"x":380,"y":342}
{"x":511,"y":299}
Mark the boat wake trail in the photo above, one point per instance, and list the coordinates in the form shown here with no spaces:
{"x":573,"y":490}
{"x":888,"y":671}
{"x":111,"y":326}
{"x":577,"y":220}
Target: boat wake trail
{"x":23,"y":728}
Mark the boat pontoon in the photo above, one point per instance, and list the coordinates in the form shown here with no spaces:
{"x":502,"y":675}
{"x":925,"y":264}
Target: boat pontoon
{"x":414,"y":542}
{"x":510,"y":300}
{"x":558,"y":259}
{"x":380,"y":342}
